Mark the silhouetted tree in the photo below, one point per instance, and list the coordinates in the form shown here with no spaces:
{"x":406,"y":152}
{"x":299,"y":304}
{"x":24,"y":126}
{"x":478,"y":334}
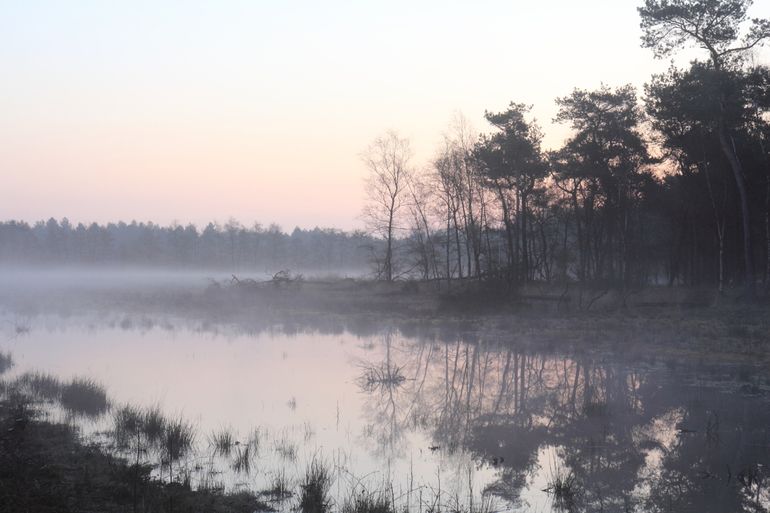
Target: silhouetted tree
{"x":715,"y":26}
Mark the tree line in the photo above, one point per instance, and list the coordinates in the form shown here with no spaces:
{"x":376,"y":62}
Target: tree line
{"x":668,"y":186}
{"x":231,"y":247}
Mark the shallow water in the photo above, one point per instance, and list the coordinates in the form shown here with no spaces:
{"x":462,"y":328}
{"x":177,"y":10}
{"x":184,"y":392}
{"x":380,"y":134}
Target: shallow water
{"x":464,"y":425}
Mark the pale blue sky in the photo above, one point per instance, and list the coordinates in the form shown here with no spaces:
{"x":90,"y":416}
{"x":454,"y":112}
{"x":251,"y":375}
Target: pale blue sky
{"x":191,"y":111}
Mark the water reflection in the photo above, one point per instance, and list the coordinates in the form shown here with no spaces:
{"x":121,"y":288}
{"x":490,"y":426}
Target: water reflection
{"x":631,"y":436}
{"x":448,"y":418}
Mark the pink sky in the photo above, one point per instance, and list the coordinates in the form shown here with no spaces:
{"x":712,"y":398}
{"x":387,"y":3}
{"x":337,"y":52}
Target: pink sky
{"x":198,"y":111}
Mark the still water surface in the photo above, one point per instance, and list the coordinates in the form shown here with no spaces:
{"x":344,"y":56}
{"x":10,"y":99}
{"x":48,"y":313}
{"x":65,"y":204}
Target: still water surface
{"x":481,"y":425}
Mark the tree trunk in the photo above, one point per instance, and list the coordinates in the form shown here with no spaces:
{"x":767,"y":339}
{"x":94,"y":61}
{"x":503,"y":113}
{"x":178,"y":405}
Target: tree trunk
{"x":728,"y":148}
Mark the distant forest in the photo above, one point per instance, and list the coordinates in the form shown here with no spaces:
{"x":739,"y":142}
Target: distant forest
{"x":230,"y":247}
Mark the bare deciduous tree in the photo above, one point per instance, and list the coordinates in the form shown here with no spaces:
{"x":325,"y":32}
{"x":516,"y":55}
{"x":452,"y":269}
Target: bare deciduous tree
{"x":387,"y":159}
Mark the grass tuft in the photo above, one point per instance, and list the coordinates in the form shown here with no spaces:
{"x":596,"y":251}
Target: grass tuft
{"x":84,"y":396}
{"x":280,"y":487}
{"x":243,"y":457}
{"x":368,"y":502}
{"x":6,"y":362}
{"x":223,"y":441}
{"x":40,"y":386}
{"x":154,"y":425}
{"x":314,"y":490}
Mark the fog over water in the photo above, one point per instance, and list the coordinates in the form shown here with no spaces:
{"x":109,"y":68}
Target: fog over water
{"x":438,"y":414}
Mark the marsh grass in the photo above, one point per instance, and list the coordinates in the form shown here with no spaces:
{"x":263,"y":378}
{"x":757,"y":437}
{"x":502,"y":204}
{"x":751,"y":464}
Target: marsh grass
{"x":222,"y":440}
{"x":315,"y":487}
{"x":128,"y":423}
{"x":40,"y":386}
{"x":243,"y":459}
{"x":364,"y":501}
{"x":153,"y":425}
{"x":280,"y":487}
{"x":177,"y":441}
{"x":84,"y":396}
{"x":133,"y":426}
{"x":286,"y":449}
{"x":6,"y":362}
{"x":254,"y":440}
{"x":48,"y":466}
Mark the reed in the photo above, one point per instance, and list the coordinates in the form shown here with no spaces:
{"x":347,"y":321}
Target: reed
{"x":314,"y":489}
{"x":84,"y":396}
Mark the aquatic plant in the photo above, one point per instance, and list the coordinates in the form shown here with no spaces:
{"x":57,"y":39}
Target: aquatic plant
{"x":178,"y":438}
{"x":6,"y":362}
{"x":364,"y":501}
{"x":314,"y":489}
{"x":286,"y":449}
{"x":153,"y":425}
{"x":242,"y":461}
{"x":254,"y":440}
{"x":84,"y":396}
{"x":280,"y":487}
{"x":128,"y":423}
{"x":41,"y":386}
{"x":222,"y":440}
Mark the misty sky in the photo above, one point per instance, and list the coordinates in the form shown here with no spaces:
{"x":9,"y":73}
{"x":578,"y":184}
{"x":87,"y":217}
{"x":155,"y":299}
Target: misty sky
{"x":198,"y":111}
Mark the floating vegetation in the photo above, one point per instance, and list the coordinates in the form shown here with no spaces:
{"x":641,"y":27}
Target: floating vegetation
{"x":84,"y":396}
{"x":314,"y":489}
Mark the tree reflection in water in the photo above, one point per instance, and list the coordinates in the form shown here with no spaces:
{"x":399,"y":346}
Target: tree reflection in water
{"x":635,"y":436}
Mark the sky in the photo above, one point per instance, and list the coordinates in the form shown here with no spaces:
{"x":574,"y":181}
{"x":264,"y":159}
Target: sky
{"x":192,"y":111}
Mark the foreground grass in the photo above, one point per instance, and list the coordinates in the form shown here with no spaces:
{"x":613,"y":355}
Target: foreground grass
{"x":45,"y":467}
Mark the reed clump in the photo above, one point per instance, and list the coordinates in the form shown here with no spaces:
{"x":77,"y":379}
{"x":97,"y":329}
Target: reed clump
{"x":84,"y":396}
{"x":222,"y":440}
{"x":364,"y":501}
{"x":314,"y":489}
{"x":40,"y":386}
{"x":6,"y":362}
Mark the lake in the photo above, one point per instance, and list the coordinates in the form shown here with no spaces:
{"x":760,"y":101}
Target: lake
{"x":438,"y":420}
